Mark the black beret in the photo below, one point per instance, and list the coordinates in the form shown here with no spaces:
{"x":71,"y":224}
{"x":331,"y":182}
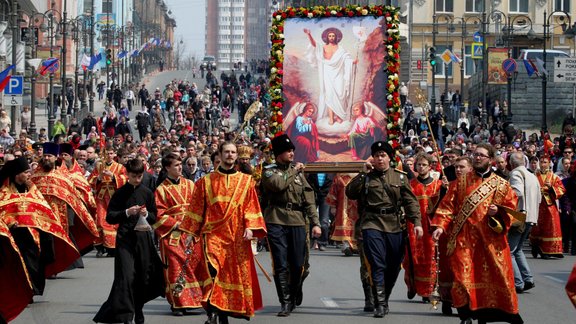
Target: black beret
{"x":281,"y":144}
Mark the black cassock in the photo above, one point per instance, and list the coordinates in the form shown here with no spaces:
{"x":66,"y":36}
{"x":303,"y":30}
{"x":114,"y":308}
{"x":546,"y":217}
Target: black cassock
{"x":138,"y":276}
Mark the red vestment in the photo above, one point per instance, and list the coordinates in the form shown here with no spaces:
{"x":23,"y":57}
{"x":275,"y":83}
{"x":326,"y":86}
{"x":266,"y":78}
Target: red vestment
{"x":420,"y":276}
{"x":103,"y":191}
{"x":60,"y":194}
{"x":571,"y":286}
{"x":547,"y":234}
{"x":224,"y":206}
{"x":31,"y":210}
{"x":346,"y":211}
{"x":16,"y":291}
{"x":479,"y":257}
{"x":174,"y":203}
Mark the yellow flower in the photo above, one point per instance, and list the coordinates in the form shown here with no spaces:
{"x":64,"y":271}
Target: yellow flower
{"x":364,"y":12}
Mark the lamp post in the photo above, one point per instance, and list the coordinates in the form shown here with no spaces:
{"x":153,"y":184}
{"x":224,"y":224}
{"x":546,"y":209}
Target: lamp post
{"x":32,"y":42}
{"x":559,"y":16}
{"x":521,"y":20}
{"x":50,"y":14}
{"x":14,"y":15}
{"x":79,"y":37}
{"x":464,"y":22}
{"x":92,"y":92}
{"x":63,"y":112}
{"x":448,"y":19}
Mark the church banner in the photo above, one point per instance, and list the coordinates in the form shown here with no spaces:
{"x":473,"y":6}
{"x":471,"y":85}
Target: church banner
{"x":334,"y":80}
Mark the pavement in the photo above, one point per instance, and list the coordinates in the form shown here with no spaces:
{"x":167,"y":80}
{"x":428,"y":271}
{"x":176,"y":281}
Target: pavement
{"x":332,"y":295}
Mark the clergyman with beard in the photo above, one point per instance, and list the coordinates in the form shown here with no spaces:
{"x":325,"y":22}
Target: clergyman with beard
{"x":476,"y":224}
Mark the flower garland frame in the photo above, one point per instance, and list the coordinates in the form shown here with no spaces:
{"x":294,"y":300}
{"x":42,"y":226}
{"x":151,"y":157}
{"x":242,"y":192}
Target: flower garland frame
{"x":392,"y":59}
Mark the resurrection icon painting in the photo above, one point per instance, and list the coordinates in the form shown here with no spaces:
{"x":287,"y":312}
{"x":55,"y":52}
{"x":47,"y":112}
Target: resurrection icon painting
{"x":335,"y":84}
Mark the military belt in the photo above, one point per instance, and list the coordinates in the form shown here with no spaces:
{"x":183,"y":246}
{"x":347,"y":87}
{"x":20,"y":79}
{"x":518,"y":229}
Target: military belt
{"x":290,"y":206}
{"x":381,"y":211}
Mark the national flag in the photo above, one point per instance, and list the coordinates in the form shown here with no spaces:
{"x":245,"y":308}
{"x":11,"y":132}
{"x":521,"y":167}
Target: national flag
{"x":168,"y":44}
{"x":5,"y":77}
{"x":530,"y":67}
{"x":540,"y":65}
{"x":49,"y":65}
{"x":122,"y":54}
{"x":134,"y":53}
{"x":455,"y":58}
{"x":85,"y":61}
{"x":94,"y":59}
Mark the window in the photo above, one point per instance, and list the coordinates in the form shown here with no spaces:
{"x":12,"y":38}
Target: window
{"x":444,"y":5}
{"x":562,"y":5}
{"x":474,"y":6}
{"x":519,"y":6}
{"x":469,"y":64}
{"x":439,"y":69}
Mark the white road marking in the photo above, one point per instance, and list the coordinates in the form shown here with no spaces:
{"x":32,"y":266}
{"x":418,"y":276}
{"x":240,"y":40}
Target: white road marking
{"x":560,"y":281}
{"x":329,"y":302}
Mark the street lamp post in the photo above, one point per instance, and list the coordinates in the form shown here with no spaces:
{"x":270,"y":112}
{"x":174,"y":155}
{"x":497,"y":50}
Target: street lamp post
{"x":559,"y":16}
{"x":14,"y":60}
{"x":64,"y":112}
{"x":92,"y":92}
{"x":464,"y":23}
{"x":449,"y":20}
{"x":521,"y":19}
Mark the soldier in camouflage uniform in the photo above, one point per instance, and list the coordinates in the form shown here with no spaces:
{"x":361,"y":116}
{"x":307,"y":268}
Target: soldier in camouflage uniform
{"x":381,"y":190}
{"x":289,"y":201}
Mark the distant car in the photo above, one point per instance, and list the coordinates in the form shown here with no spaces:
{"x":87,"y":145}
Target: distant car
{"x":533,"y":54}
{"x":208,"y":63}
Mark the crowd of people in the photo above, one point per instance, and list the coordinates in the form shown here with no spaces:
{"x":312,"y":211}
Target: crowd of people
{"x":182,"y":204}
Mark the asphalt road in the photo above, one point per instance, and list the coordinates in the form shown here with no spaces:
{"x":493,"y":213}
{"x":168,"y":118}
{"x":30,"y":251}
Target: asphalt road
{"x":332,"y":294}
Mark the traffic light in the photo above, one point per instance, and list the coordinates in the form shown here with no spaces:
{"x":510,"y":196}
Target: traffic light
{"x":432,"y":56}
{"x":108,"y":56}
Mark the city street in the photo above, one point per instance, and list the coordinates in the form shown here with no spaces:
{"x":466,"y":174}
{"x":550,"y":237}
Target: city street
{"x":332,"y":294}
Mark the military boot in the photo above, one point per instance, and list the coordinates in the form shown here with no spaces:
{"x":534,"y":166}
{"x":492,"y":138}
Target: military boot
{"x":284,"y":296}
{"x":368,"y":298}
{"x":380,"y":302}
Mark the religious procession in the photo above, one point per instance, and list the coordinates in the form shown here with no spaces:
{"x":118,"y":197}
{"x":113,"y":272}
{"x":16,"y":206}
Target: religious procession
{"x":253,"y":164}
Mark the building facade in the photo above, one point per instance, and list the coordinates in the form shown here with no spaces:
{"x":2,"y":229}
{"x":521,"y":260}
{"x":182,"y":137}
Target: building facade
{"x":225,"y":32}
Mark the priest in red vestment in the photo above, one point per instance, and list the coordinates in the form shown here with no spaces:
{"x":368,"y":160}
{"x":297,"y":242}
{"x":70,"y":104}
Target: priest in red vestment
{"x":107,"y":177}
{"x":475,"y":211}
{"x":43,"y":242}
{"x":546,"y":236}
{"x":183,"y":275}
{"x":419,"y":265}
{"x":226,"y":216}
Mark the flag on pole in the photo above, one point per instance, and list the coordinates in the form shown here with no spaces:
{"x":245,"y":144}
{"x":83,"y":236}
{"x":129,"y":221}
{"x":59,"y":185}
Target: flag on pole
{"x":134,"y":53}
{"x":49,"y":65}
{"x":122,"y":54}
{"x":540,"y":65}
{"x":5,"y":77}
{"x":454,"y":58}
{"x":94,"y":59}
{"x":529,"y":69}
{"x":85,"y":61}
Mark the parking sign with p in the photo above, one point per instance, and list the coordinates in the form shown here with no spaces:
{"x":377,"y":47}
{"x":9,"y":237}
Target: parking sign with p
{"x":15,"y":85}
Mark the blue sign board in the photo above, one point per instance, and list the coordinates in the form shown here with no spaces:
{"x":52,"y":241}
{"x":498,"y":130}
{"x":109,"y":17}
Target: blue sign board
{"x":477,"y":37}
{"x":15,"y":85}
